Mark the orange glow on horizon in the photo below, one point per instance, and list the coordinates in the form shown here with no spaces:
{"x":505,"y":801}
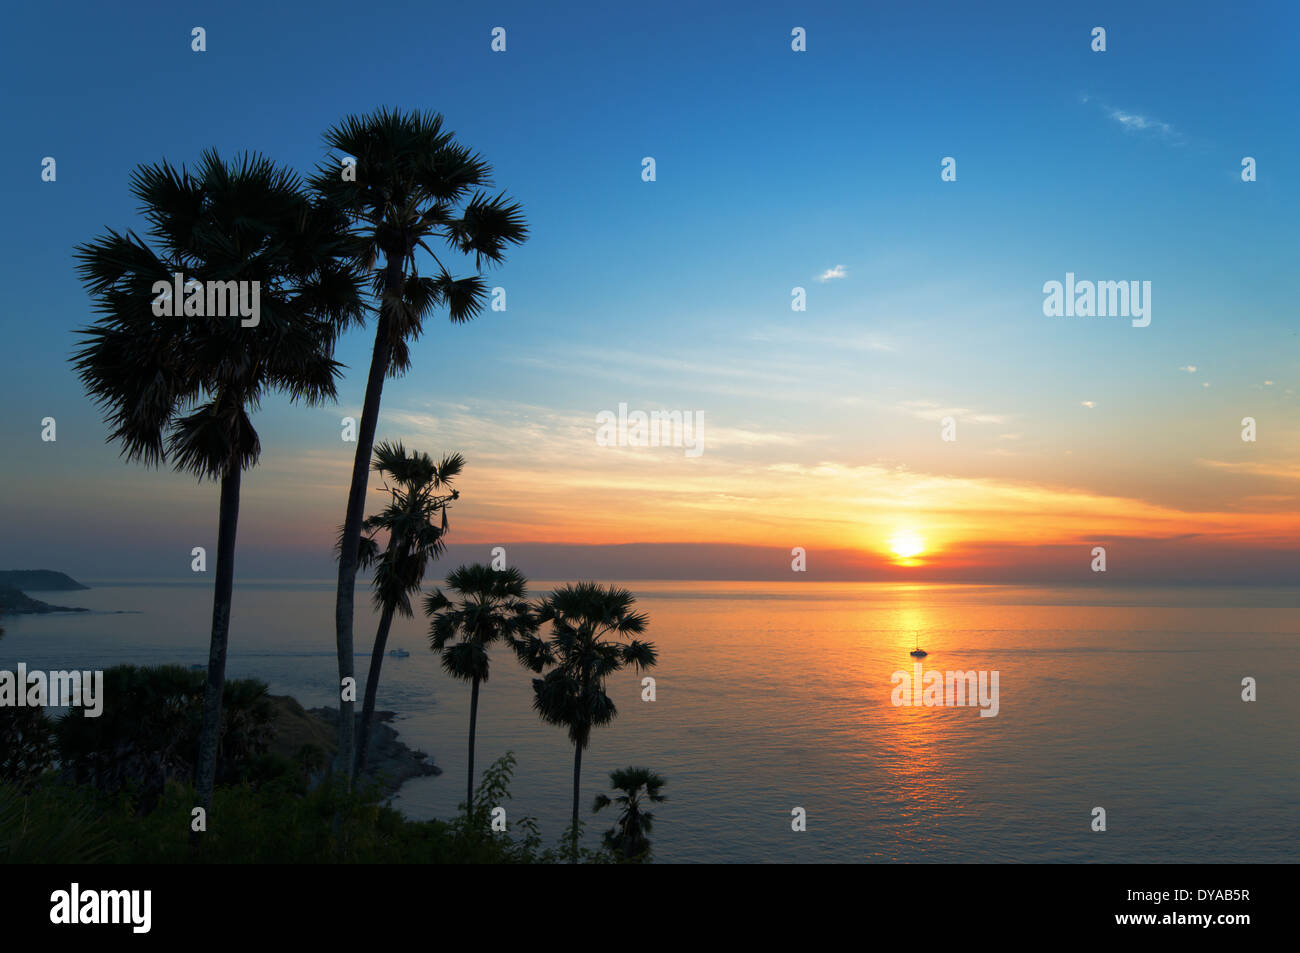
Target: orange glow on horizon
{"x":561,"y":489}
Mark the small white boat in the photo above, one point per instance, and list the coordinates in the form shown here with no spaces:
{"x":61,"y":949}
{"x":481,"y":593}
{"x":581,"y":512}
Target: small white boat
{"x":399,"y":653}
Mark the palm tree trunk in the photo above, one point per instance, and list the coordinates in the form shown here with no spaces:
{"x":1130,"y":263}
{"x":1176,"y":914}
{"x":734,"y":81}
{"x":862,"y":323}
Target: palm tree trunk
{"x":577,"y":774}
{"x":473,"y":721}
{"x":351,"y":540}
{"x":210,"y":734}
{"x":372,"y":689}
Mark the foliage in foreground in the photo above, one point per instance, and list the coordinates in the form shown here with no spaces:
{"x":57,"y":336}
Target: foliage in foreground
{"x":276,"y":822}
{"x":148,"y":737}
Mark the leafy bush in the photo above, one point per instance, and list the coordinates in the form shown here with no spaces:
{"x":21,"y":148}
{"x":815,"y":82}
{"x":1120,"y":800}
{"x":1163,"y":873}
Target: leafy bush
{"x":279,"y":821}
{"x":26,"y":744}
{"x":148,"y":734}
{"x":52,"y":825}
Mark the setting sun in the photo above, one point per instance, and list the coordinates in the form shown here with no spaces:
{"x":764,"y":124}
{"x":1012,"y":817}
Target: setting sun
{"x":906,"y":545}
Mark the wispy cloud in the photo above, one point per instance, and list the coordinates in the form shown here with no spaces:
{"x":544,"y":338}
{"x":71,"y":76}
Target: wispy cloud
{"x":1189,"y":368}
{"x":1138,"y":122}
{"x":1142,"y":123}
{"x":933,"y":410}
{"x":1281,"y":471}
{"x":838,"y":339}
{"x":839,"y":271}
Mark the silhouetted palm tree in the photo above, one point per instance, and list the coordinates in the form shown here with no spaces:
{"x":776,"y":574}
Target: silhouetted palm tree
{"x":583,"y":616}
{"x":492,"y":608}
{"x":179,"y":389}
{"x":627,"y":837}
{"x":416,"y":521}
{"x":411,"y":183}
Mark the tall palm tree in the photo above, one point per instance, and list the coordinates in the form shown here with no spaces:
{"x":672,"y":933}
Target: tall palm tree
{"x":180,"y":389}
{"x":411,"y":183}
{"x":416,"y":521}
{"x":588,"y":621}
{"x":492,"y":608}
{"x":639,"y":786}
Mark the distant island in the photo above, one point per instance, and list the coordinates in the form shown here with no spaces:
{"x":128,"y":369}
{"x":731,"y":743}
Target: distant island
{"x":14,"y":584}
{"x":38,"y":580}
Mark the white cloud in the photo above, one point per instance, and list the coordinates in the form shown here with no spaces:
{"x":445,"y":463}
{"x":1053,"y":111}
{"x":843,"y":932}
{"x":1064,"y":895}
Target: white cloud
{"x":836,"y":339}
{"x":1089,"y":404}
{"x":1190,"y":368}
{"x":839,"y":271}
{"x":1136,"y":122}
{"x":933,"y":410}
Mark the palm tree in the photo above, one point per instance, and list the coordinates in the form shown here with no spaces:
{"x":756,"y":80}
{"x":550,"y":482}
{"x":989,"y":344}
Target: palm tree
{"x":180,"y":389}
{"x":416,"y":521}
{"x":492,"y":607}
{"x":583,"y":616}
{"x":411,"y":182}
{"x":628,"y":835}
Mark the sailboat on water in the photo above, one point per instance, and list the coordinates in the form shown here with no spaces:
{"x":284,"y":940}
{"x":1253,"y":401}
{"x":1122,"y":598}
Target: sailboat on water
{"x":918,"y":652}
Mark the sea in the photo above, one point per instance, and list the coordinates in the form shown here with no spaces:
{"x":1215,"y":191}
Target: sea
{"x":782,"y":724}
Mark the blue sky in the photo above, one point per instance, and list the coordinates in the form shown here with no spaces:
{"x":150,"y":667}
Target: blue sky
{"x":772,"y":168}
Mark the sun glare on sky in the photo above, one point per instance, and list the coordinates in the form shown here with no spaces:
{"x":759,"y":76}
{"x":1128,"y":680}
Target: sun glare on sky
{"x":906,"y":546}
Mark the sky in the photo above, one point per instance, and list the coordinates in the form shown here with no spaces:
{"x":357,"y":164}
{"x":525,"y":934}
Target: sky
{"x":774,"y":170}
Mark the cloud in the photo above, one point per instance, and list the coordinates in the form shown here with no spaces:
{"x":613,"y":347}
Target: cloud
{"x":932,"y":410}
{"x":1136,"y":122}
{"x":1190,"y":368}
{"x":738,"y":377}
{"x":836,"y":339}
{"x":838,"y":271}
{"x":1089,"y":404}
{"x":1281,"y":471}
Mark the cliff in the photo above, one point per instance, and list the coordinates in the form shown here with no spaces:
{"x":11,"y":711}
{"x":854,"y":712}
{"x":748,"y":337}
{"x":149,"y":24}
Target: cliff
{"x":38,"y":580}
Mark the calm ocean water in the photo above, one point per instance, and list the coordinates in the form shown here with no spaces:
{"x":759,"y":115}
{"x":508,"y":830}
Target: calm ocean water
{"x":773,"y":696}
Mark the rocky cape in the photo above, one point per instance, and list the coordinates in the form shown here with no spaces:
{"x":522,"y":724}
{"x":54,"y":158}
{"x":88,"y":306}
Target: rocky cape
{"x":15,"y":602}
{"x":38,"y":580}
{"x":390,"y":762}
{"x":16,"y":583}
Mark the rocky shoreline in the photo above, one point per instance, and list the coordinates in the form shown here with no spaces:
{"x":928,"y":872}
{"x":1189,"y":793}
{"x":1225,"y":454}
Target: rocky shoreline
{"x":15,"y":602}
{"x":390,"y":762}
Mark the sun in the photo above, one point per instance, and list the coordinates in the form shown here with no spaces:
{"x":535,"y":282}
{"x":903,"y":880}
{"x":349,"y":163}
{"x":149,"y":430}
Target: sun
{"x":906,"y":546}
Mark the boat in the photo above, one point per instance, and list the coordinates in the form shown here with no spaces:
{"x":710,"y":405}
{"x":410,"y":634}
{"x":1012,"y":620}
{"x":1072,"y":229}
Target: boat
{"x":918,"y":652}
{"x":399,"y":653}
